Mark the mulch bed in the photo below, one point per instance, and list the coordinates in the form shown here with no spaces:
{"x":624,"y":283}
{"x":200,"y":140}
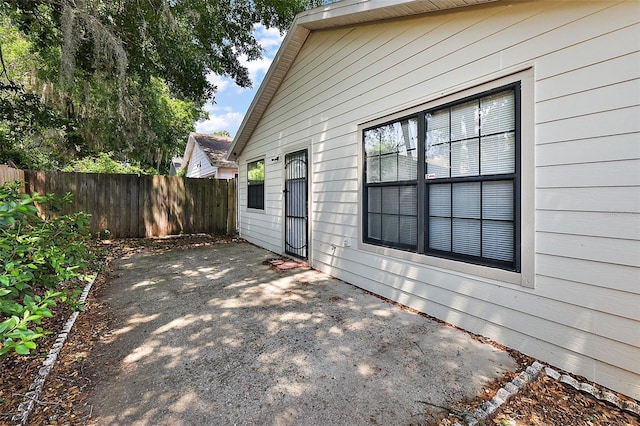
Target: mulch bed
{"x":543,"y":401}
{"x":18,"y":372}
{"x":547,"y":401}
{"x":63,"y":401}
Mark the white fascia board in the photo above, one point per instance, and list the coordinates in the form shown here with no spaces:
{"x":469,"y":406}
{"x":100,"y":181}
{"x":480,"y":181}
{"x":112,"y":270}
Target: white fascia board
{"x":188,"y":152}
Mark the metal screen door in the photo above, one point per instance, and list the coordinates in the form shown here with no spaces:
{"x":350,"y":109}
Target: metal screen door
{"x":295,"y":200}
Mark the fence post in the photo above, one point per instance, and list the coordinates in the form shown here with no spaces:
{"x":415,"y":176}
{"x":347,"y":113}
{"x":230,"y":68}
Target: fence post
{"x":231,"y":207}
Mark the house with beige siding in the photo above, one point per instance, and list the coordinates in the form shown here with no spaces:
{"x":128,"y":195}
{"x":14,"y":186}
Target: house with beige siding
{"x":476,"y":160}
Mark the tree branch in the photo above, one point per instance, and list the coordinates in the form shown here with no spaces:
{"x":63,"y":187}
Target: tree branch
{"x":4,"y":67}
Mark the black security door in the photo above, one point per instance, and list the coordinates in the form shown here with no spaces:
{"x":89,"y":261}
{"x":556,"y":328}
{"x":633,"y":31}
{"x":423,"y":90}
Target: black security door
{"x":295,"y":200}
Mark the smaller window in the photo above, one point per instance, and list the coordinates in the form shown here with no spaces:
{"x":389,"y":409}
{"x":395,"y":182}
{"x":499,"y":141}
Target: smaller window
{"x":255,"y":185}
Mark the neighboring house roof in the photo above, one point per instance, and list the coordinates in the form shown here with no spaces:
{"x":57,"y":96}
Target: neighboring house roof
{"x":346,"y":12}
{"x":216,"y":148}
{"x":176,"y":162}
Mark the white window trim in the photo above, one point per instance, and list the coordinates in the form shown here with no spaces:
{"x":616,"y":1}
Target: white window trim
{"x":526,"y":276}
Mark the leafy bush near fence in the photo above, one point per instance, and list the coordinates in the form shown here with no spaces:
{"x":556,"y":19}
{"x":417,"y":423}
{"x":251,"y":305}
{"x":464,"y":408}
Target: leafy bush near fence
{"x":43,"y":259}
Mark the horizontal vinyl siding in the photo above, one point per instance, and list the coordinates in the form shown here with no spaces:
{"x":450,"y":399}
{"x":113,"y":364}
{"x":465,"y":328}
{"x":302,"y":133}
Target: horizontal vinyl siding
{"x":262,"y":227}
{"x":413,"y":74}
{"x":622,"y":226}
{"x":591,"y":199}
{"x":583,"y":314}
{"x":621,"y":147}
{"x":199,"y":165}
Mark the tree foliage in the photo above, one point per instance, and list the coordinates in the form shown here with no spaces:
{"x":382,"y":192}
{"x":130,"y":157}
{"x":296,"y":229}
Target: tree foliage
{"x":29,"y":129}
{"x":129,"y":76}
{"x":104,"y":163}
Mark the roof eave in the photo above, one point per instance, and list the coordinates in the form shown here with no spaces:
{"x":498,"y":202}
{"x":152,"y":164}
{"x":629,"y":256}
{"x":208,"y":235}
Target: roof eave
{"x":334,"y":15}
{"x":188,"y":151}
{"x":291,"y":45}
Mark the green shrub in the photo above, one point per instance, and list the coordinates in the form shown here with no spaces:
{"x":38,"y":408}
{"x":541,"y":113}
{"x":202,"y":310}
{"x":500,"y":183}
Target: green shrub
{"x":43,"y":259}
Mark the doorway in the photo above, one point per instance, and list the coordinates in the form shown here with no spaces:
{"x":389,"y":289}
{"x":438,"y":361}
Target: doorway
{"x":296,"y":204}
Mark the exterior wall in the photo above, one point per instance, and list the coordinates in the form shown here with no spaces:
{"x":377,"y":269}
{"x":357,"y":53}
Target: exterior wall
{"x":581,"y":312}
{"x":226,"y":172}
{"x":263,"y":227}
{"x":199,"y":165}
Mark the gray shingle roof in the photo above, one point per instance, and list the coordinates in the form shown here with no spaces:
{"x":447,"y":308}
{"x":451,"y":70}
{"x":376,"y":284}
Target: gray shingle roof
{"x":216,"y":148}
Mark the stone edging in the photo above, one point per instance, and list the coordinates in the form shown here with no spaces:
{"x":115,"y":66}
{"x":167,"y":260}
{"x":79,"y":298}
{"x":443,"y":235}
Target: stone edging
{"x":26,"y":407}
{"x":531,"y":373}
{"x":604,"y":395}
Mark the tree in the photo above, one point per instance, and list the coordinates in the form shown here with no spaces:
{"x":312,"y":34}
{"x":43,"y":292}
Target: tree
{"x":124,"y":70}
{"x":46,"y":125}
{"x":104,"y":163}
{"x":30,"y":129}
{"x":28,"y":126}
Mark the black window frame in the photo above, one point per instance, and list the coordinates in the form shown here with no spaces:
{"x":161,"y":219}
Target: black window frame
{"x":400,"y":185}
{"x":255,"y":188}
{"x":424,"y":184}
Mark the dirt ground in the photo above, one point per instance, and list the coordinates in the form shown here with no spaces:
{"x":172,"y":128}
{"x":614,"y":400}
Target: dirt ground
{"x":203,"y":332}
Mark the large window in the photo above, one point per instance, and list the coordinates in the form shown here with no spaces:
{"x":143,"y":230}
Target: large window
{"x":445,"y":182}
{"x":255,"y":185}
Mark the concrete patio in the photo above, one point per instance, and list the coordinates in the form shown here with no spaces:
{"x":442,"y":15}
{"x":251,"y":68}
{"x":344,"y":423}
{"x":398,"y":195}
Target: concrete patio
{"x":213,"y":335}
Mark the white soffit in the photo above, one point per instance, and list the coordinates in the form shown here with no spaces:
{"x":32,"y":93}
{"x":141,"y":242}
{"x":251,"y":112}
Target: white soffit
{"x":350,"y":12}
{"x":334,"y":15}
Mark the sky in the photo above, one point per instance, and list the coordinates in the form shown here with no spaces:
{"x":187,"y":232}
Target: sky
{"x":232,"y":101}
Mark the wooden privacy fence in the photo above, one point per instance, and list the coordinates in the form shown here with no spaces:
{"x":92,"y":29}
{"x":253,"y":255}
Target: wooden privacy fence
{"x":10,"y":174}
{"x":143,"y":206}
